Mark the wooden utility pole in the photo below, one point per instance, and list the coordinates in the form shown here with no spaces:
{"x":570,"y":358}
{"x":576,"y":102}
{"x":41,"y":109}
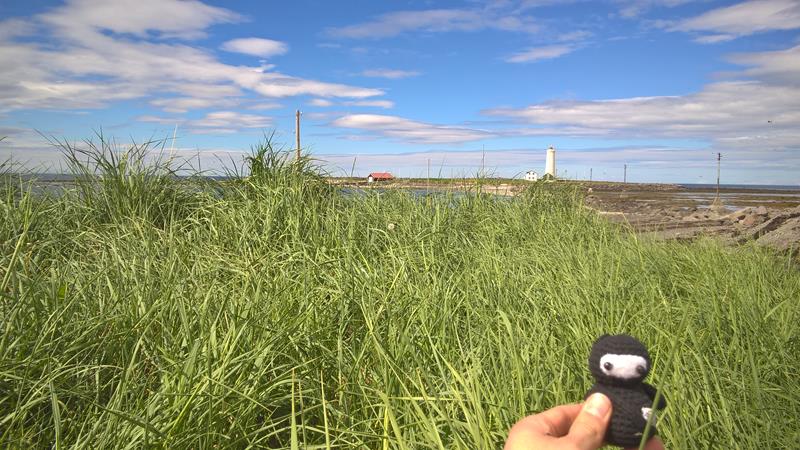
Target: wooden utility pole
{"x":717,"y":205}
{"x":625,"y":173}
{"x":719,"y":159}
{"x":297,"y":132}
{"x":428,"y":182}
{"x":429,"y":171}
{"x":483,"y":162}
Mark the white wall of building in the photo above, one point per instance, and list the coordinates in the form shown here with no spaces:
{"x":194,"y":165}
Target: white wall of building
{"x":550,"y":163}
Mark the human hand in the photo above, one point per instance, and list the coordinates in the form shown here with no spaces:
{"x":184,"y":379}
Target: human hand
{"x":567,"y":427}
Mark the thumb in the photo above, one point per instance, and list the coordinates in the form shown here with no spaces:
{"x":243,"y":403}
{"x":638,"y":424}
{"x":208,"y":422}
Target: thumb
{"x":589,"y":428}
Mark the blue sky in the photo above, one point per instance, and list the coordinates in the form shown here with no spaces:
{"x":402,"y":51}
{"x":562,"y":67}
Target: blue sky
{"x":659,"y":85}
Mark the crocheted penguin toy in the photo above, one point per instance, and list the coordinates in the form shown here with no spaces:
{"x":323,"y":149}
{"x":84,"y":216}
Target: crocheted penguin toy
{"x":619,"y":364}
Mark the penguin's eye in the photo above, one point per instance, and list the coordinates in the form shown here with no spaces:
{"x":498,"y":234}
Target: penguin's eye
{"x":608,"y":366}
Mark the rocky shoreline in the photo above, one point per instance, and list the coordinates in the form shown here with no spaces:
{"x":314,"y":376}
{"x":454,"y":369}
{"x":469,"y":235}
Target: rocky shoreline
{"x":686,"y":217}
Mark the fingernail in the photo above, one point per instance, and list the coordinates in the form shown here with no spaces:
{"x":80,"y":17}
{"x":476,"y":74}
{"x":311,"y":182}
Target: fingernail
{"x":597,"y":405}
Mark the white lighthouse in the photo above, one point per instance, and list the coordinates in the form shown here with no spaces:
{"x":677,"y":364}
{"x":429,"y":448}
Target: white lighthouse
{"x":550,"y":164}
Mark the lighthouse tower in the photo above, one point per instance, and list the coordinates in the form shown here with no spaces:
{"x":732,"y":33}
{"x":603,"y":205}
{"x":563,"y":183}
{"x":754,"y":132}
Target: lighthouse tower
{"x":550,"y":164}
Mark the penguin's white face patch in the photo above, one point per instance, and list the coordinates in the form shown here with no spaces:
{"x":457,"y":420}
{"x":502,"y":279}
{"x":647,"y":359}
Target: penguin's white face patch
{"x":625,"y":367}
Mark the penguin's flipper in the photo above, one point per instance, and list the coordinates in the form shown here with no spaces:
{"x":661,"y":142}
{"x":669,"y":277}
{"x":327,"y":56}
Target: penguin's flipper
{"x":651,"y":392}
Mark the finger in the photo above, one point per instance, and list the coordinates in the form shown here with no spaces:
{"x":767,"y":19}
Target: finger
{"x":540,"y":430}
{"x":652,"y":444}
{"x":589,"y":427}
{"x":553,"y":422}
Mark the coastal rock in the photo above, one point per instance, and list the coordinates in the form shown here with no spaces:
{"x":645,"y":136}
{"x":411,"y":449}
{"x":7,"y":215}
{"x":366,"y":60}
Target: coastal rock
{"x":785,"y":237}
{"x":751,"y":220}
{"x":772,"y":224}
{"x":739,"y":214}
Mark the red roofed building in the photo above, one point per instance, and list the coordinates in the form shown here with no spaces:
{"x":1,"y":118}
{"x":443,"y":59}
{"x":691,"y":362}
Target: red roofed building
{"x":379,"y":176}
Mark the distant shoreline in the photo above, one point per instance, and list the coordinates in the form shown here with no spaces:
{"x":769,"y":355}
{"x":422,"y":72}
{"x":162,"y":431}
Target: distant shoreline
{"x":422,"y":182}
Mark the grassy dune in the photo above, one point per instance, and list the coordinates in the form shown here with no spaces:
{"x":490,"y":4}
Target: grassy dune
{"x":141,"y":310}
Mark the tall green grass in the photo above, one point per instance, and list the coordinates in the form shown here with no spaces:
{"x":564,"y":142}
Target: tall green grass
{"x":145,"y":310}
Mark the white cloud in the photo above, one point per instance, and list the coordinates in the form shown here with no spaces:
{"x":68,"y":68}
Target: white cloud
{"x":322,"y":115}
{"x":721,"y":109}
{"x":262,"y":106}
{"x":82,"y":59}
{"x":573,"y":36}
{"x":409,"y":131}
{"x":206,"y":90}
{"x":185,"y":104}
{"x":745,"y":18}
{"x":634,"y":8}
{"x":216,"y":122}
{"x":780,"y":67}
{"x":540,"y":53}
{"x":714,"y":38}
{"x":275,"y":84}
{"x":10,"y":28}
{"x":321,"y":102}
{"x":386,"y":104}
{"x":256,"y":47}
{"x":436,"y":21}
{"x":389,"y":73}
{"x":758,"y":112}
{"x":169,"y":18}
{"x":232,"y":119}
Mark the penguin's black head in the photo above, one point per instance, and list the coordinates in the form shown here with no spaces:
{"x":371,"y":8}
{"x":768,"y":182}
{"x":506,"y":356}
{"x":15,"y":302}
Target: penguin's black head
{"x":619,"y":360}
